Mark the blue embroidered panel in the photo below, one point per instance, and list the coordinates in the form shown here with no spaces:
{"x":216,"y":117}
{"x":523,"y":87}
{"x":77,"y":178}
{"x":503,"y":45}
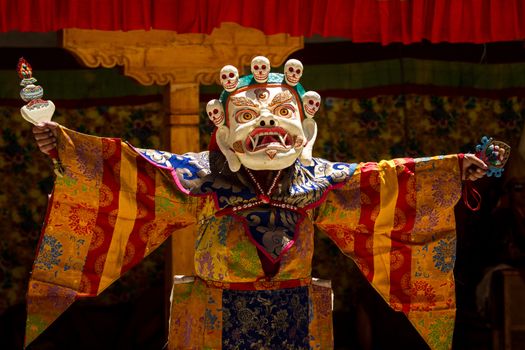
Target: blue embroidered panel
{"x":272,"y":228}
{"x":265,"y":319}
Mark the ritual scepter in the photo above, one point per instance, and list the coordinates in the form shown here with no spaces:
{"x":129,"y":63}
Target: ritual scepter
{"x":36,"y":110}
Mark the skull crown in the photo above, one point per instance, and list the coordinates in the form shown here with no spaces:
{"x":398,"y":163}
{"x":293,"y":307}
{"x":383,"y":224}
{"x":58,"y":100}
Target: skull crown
{"x":311,"y":103}
{"x":293,"y":71}
{"x":229,"y":77}
{"x":260,"y":68}
{"x":215,"y":112}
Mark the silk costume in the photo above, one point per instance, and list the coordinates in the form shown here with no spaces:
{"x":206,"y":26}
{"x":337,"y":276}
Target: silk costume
{"x":116,"y":204}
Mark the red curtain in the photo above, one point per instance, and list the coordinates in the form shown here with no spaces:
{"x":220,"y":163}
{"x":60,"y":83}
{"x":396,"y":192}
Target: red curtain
{"x":384,"y":21}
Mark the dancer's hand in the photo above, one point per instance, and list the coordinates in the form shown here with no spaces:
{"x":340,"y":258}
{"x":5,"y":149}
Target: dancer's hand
{"x":45,"y":134}
{"x":473,"y":167}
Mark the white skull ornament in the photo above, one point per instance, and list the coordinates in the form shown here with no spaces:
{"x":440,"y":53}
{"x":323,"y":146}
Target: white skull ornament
{"x":293,"y":70}
{"x":311,"y":103}
{"x":260,"y":68}
{"x":215,"y":112}
{"x":229,"y":78}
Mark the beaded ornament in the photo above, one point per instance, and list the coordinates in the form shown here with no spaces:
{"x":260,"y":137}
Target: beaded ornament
{"x":494,"y":153}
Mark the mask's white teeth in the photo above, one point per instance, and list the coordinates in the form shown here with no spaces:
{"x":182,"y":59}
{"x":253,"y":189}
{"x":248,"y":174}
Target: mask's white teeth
{"x":253,"y":141}
{"x":282,"y":139}
{"x":256,"y":141}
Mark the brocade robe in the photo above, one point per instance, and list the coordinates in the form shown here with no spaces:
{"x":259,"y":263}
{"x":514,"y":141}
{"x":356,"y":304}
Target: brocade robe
{"x":253,"y":285}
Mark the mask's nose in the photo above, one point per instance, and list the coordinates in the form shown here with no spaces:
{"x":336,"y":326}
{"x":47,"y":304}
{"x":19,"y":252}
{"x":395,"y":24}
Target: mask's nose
{"x":267,"y":122}
{"x":267,"y":119}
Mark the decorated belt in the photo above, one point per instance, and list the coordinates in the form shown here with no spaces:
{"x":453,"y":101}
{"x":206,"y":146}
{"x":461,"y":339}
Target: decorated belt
{"x":261,"y":284}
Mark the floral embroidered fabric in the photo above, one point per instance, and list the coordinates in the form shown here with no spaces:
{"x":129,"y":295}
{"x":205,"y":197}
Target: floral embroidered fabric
{"x":264,"y":319}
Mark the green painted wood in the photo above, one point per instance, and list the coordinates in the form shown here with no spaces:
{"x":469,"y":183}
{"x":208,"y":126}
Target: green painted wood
{"x":107,"y":83}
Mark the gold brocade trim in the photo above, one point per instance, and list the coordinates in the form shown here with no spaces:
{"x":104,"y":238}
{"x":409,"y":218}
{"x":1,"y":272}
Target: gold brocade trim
{"x":261,"y":284}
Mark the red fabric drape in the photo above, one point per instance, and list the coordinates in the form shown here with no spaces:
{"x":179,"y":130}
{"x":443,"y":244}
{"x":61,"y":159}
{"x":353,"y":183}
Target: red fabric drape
{"x":384,"y":21}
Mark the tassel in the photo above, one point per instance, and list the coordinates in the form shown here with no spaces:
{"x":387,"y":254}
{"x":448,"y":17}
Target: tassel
{"x":58,"y":169}
{"x":470,"y":192}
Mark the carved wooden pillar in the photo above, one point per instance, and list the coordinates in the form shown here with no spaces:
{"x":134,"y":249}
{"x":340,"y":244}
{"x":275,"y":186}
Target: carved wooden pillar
{"x":182,"y":62}
{"x":181,"y":104}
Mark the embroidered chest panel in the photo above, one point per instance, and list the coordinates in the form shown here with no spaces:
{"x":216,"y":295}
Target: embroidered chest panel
{"x":273,"y":226}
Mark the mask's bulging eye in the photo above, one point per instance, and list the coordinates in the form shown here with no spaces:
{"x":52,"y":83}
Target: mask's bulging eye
{"x":245,"y":116}
{"x":284,"y":111}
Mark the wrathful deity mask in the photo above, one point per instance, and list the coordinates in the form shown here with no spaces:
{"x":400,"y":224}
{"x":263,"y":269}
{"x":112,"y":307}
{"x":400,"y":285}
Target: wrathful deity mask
{"x":266,"y":126}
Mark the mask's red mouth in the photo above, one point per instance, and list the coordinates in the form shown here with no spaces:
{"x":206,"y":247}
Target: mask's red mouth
{"x":263,"y":138}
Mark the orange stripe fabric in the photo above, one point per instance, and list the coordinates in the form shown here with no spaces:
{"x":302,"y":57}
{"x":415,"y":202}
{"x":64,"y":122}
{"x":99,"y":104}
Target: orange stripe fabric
{"x":401,"y":251}
{"x":136,"y":246}
{"x":404,"y":242}
{"x":387,"y":176}
{"x":125,"y":220}
{"x":106,"y":214}
{"x":370,"y":201}
{"x":105,"y":222}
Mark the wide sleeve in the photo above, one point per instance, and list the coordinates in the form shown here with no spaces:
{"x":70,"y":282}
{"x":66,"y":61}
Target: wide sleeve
{"x":111,"y":208}
{"x":396,"y":220}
